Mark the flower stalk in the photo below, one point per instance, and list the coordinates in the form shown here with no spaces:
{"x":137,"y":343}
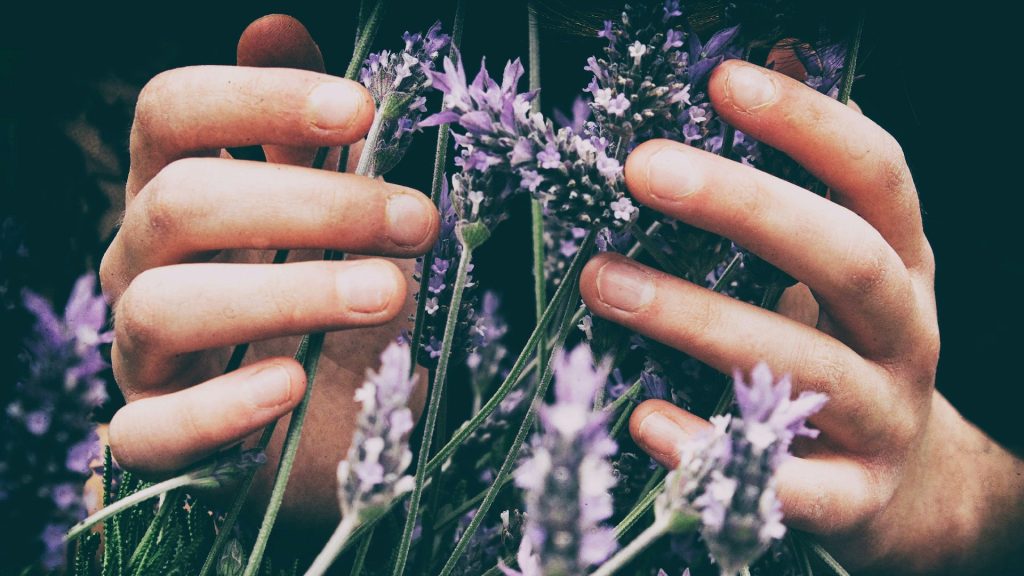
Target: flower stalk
{"x":433,"y":407}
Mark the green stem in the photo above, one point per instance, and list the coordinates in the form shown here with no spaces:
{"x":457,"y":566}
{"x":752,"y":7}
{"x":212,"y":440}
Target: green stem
{"x":333,"y":547}
{"x":649,"y":536}
{"x":460,"y":435}
{"x":513,"y":453}
{"x":127,"y":502}
{"x":440,"y":162}
{"x":536,"y":210}
{"x":648,"y":245}
{"x":367,"y":34}
{"x":311,"y":347}
{"x":850,"y":67}
{"x":643,"y":505}
{"x":138,"y":558}
{"x":224,"y":533}
{"x":364,"y":547}
{"x":465,"y":506}
{"x":827,"y":558}
{"x":430,"y":510}
{"x":433,"y":408}
{"x":626,"y":396}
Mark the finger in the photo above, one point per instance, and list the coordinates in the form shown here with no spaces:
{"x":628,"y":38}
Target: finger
{"x":846,"y":263}
{"x":659,"y":428}
{"x":824,"y":495}
{"x":861,"y":163}
{"x":171,"y":311}
{"x":728,"y":334}
{"x":198,"y":206}
{"x":166,"y":433}
{"x":280,"y":41}
{"x":197,"y":111}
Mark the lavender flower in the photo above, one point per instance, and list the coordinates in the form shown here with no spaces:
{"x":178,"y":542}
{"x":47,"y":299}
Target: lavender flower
{"x":48,"y":437}
{"x":504,"y":149}
{"x":373,"y":473}
{"x":397,"y":81}
{"x":726,"y":476}
{"x":440,"y":287}
{"x":568,"y":477}
{"x":649,"y":82}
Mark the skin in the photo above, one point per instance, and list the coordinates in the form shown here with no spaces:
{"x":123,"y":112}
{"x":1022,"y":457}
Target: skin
{"x":189,"y":275}
{"x":897,"y":481}
{"x":895,"y":471}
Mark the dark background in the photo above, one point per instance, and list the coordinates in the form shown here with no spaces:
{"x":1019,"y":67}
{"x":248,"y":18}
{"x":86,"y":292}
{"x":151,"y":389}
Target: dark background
{"x":942,"y":81}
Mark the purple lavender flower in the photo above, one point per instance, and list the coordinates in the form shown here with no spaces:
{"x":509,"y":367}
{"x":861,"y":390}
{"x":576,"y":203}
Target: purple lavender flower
{"x":568,"y":477}
{"x":397,"y":81}
{"x":48,"y":437}
{"x":727,"y":476}
{"x":649,"y":81}
{"x":373,"y":473}
{"x":504,"y":149}
{"x":440,"y":287}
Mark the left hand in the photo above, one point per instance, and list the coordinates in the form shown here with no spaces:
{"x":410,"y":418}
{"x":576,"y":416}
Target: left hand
{"x":892,"y":455}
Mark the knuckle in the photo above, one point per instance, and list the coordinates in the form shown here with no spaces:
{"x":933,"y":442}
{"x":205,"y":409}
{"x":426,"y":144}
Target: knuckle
{"x":137,"y":327}
{"x":825,"y":369}
{"x":112,"y":283}
{"x":867,"y":269}
{"x":148,"y":107}
{"x":161,"y":203}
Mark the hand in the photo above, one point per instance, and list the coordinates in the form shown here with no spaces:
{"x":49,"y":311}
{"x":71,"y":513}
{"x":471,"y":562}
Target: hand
{"x":897,"y":481}
{"x":188,"y":274}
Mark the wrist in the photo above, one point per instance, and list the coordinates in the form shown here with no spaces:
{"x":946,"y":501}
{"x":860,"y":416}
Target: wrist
{"x":959,"y":504}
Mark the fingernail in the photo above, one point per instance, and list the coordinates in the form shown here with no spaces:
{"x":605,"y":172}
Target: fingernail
{"x":661,"y":435}
{"x":625,"y":286}
{"x":365,"y":287}
{"x":671,"y":175}
{"x":749,"y":88}
{"x":270,"y":387}
{"x":408,"y":221}
{"x":334,"y":105}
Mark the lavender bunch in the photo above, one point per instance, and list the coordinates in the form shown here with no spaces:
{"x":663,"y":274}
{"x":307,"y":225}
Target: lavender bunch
{"x":441,"y":283}
{"x":568,"y":476}
{"x":373,"y":473}
{"x":397,"y":81}
{"x":48,"y":438}
{"x":728,"y":475}
{"x":505,"y":149}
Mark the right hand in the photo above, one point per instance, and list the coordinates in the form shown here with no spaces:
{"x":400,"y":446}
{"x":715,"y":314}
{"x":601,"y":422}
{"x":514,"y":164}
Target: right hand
{"x":188,"y":274}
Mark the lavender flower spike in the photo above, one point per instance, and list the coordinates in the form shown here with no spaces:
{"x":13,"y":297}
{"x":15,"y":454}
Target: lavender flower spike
{"x":505,"y":149}
{"x":397,"y":81}
{"x":568,"y":478}
{"x":727,"y":476}
{"x":373,"y":473}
